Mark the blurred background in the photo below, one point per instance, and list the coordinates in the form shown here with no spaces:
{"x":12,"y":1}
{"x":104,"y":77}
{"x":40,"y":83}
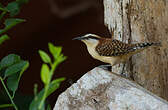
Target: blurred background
{"x":56,"y":21}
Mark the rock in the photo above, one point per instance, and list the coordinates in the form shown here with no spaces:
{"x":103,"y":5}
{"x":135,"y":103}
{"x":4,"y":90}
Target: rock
{"x":102,"y":90}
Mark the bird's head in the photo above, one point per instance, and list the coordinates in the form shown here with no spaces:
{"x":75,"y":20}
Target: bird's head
{"x":89,"y":39}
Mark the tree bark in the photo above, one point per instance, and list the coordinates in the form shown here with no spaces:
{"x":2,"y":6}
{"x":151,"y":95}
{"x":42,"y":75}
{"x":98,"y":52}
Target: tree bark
{"x":135,"y":21}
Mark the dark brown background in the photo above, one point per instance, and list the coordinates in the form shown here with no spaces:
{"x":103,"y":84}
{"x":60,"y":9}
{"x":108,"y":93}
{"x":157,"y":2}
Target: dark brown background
{"x":42,"y":26}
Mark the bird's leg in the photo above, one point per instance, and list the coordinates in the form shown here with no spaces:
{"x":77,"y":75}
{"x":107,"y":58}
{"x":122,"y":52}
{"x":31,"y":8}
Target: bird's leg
{"x":105,"y":67}
{"x":122,"y":72}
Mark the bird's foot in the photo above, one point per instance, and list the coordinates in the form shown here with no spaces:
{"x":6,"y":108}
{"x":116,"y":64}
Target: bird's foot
{"x":105,"y":67}
{"x":124,"y":75}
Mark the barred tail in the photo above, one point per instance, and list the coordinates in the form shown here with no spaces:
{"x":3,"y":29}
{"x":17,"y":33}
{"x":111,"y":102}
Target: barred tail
{"x":141,"y":46}
{"x":147,"y":44}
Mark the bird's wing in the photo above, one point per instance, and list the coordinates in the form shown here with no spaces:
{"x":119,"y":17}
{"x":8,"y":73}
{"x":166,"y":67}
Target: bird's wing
{"x":109,"y":47}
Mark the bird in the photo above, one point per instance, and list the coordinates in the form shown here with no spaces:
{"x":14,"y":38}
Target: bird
{"x":112,"y":51}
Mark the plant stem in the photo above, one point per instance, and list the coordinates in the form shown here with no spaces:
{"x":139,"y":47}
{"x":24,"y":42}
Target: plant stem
{"x":6,"y":105}
{"x":2,"y":15}
{"x":44,"y":97}
{"x":10,"y":97}
{"x":47,"y":86}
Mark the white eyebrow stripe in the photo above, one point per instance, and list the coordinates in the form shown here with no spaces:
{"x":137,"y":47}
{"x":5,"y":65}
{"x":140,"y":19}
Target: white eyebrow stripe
{"x":90,"y":35}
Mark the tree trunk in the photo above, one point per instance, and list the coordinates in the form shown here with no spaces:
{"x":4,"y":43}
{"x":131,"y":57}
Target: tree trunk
{"x":135,"y":21}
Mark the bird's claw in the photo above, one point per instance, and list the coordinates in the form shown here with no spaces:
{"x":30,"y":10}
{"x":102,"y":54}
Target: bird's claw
{"x":105,"y":67}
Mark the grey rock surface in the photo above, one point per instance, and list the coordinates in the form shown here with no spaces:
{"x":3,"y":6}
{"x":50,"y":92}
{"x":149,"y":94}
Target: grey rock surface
{"x":102,"y":90}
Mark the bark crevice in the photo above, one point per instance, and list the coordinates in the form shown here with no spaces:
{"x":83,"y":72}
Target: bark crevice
{"x":142,"y":21}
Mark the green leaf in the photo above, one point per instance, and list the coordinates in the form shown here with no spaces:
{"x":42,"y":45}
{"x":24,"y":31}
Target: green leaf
{"x":61,"y":58}
{"x":52,"y":87}
{"x":9,"y":23}
{"x":58,"y":80}
{"x":3,"y":38}
{"x":59,"y":49}
{"x":9,"y":60}
{"x":49,"y":107}
{"x":15,"y":68}
{"x":13,"y":80}
{"x":2,"y":14}
{"x":56,"y":84}
{"x":44,"y":56}
{"x":45,"y":73}
{"x":13,"y":8}
{"x":55,"y":50}
{"x":2,"y":8}
{"x":52,"y":49}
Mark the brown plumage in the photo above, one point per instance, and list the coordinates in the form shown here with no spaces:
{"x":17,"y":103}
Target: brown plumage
{"x":110,"y":50}
{"x":110,"y":47}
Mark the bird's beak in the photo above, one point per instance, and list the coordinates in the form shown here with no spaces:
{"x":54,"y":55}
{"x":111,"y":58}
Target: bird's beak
{"x":78,"y":38}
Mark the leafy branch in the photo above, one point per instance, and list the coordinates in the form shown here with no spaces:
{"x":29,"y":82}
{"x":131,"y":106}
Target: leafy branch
{"x":13,"y":9}
{"x":12,"y":66}
{"x":47,"y":71}
{"x":11,"y":69}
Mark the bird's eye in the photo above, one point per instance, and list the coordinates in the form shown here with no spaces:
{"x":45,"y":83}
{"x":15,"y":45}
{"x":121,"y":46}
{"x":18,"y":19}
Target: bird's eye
{"x":86,"y":38}
{"x":92,"y":37}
